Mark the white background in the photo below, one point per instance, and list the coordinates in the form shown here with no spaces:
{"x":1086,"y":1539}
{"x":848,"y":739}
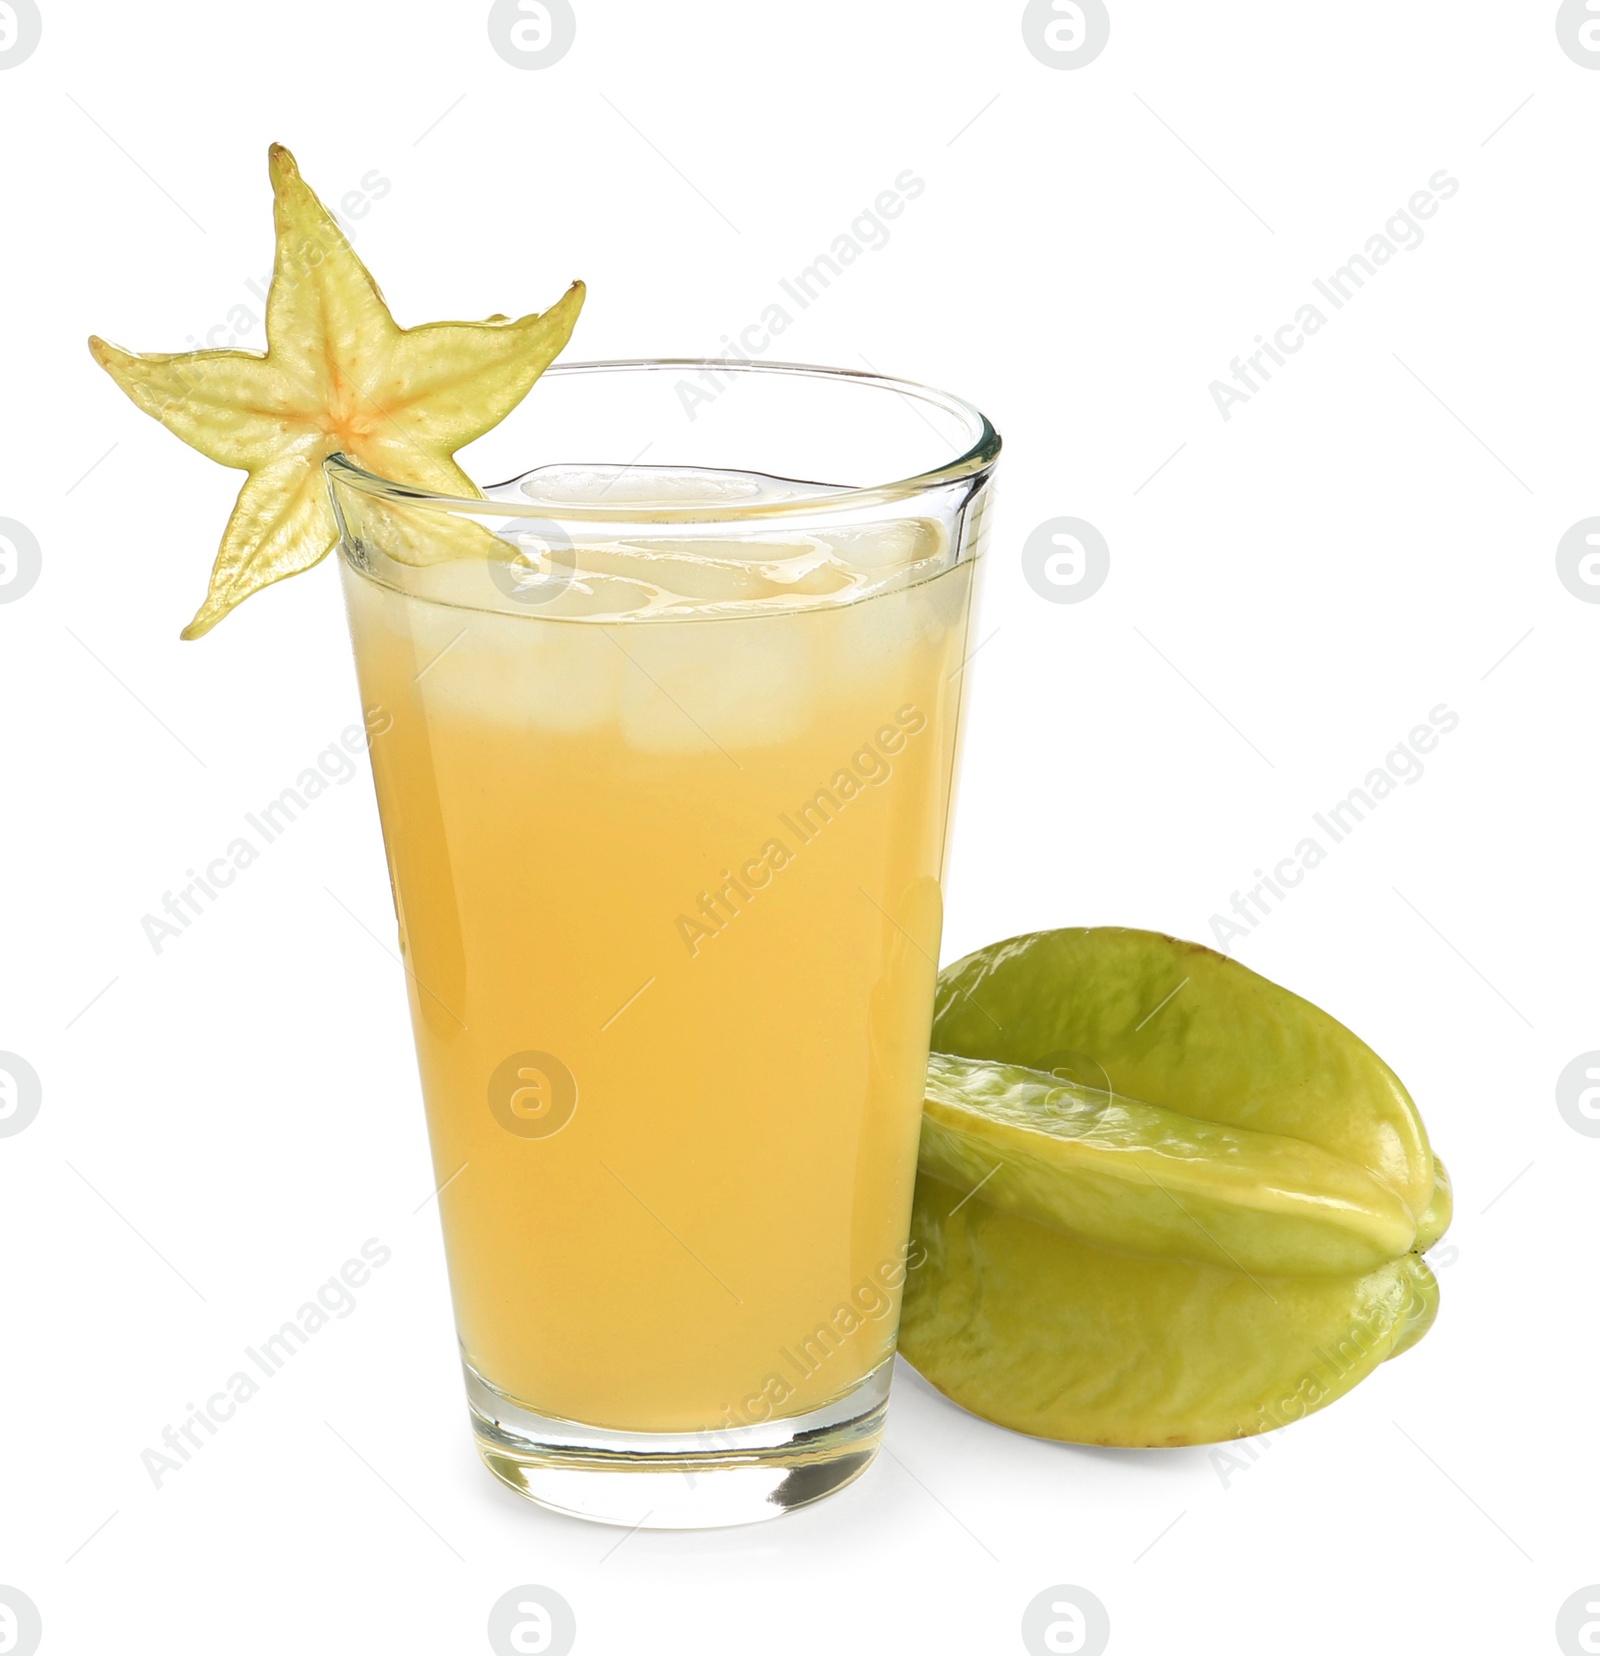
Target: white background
{"x":1293,"y":589}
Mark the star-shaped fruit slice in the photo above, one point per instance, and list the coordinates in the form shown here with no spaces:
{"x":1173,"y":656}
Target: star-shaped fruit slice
{"x":338,"y":376}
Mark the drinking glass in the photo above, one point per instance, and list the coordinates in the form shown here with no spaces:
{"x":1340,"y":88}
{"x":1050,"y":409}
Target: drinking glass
{"x":668,"y":736}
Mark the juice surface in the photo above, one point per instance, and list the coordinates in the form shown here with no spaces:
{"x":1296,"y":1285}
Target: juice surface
{"x":668,"y":894}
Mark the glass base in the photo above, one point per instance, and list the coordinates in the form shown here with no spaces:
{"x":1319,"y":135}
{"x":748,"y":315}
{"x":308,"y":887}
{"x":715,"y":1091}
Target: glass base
{"x":680,"y":1480}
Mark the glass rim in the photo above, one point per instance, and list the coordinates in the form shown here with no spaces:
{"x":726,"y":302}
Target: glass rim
{"x":983,"y":449}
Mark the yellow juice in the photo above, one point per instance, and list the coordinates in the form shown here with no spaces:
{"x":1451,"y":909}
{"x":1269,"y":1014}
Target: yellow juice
{"x":668,"y":893}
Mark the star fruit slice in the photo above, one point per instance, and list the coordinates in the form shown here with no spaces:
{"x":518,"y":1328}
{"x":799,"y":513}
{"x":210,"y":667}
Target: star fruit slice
{"x":1219,"y":1233}
{"x":338,"y":376}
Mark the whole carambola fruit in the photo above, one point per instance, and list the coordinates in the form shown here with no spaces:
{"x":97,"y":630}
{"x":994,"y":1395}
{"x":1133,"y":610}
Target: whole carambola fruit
{"x":1160,"y":1200}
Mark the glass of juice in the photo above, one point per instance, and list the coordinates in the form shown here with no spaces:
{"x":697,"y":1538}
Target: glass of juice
{"x":669,"y":726}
